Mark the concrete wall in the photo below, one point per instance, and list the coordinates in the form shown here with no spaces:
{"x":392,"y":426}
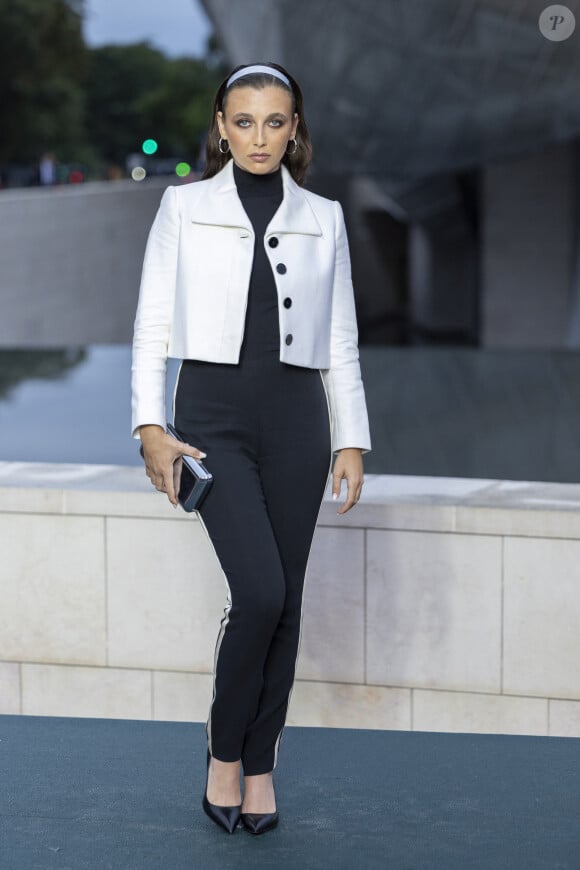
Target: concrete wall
{"x":434,"y":604}
{"x":70,"y":261}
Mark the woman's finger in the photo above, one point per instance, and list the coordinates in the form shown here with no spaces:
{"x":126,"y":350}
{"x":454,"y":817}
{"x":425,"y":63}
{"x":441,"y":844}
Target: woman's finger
{"x":349,"y":500}
{"x":176,"y":479}
{"x":337,"y":476}
{"x":185,"y":449}
{"x":354,"y":486}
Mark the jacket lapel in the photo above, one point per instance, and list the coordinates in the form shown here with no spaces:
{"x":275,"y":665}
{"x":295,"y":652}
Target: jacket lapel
{"x":218,"y":203}
{"x":295,"y":214}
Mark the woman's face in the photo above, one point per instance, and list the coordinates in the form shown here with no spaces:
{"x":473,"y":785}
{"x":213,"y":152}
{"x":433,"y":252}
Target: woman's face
{"x":258,"y":121}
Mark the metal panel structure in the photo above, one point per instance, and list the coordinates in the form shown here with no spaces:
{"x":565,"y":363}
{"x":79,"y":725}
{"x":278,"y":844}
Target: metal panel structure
{"x":412,"y":88}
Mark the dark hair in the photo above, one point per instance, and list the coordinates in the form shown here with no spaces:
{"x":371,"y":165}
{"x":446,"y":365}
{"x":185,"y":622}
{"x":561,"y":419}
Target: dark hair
{"x":298,"y":162}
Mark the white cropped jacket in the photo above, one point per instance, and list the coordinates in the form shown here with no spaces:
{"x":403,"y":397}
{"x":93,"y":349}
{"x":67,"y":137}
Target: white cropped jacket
{"x":194,"y":292}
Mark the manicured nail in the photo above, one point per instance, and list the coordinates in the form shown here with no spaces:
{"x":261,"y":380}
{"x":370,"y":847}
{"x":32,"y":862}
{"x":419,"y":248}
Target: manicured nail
{"x":202,"y":455}
{"x":334,"y":496}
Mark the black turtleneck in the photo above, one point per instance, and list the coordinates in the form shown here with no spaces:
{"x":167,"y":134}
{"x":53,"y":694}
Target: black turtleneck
{"x":261,"y":195}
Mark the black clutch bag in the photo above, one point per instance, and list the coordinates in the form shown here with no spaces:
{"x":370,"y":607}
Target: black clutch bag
{"x":195,"y":480}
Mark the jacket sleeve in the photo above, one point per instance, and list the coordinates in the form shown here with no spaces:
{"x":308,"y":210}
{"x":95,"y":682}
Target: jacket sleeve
{"x":350,"y":424}
{"x":154,"y":317}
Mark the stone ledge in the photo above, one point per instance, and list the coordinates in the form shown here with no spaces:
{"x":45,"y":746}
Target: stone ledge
{"x":438,"y":504}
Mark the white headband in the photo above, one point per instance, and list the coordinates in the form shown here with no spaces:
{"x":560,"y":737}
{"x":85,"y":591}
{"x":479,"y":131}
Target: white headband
{"x":258,"y":68}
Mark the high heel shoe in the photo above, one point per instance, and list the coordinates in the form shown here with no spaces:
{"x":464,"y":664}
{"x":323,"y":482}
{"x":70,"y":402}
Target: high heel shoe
{"x":226,"y":817}
{"x":259,"y":823}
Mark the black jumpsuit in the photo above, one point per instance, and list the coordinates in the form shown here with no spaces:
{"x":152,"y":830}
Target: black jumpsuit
{"x":265,"y":426}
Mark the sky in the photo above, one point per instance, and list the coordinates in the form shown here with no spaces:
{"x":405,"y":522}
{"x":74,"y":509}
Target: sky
{"x":177,"y":27}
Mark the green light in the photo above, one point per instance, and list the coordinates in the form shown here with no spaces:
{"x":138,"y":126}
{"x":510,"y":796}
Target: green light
{"x":182,"y":169}
{"x":150,"y":146}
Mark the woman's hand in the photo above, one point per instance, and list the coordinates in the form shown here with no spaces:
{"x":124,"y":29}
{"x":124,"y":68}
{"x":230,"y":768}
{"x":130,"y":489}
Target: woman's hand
{"x":161,"y":452}
{"x":348,"y":464}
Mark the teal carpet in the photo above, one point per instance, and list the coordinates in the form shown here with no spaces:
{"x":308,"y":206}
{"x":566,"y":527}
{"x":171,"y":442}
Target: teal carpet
{"x":82,"y":794}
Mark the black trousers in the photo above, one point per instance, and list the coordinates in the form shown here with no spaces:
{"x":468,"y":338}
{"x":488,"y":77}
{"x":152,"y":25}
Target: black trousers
{"x":265,"y":427}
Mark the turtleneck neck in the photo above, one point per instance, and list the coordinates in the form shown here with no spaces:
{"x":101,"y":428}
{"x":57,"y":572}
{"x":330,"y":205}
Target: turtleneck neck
{"x":258,"y":184}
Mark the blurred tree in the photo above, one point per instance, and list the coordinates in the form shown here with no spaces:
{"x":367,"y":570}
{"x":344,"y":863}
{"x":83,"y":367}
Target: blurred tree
{"x":43,"y":63}
{"x":94,"y":106}
{"x":134,"y":93}
{"x":119,"y":76}
{"x":179,"y":108}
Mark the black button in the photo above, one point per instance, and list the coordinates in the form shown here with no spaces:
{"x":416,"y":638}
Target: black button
{"x":281,"y":268}
{"x":273,"y":242}
{"x":287,"y":302}
{"x":289,"y":338}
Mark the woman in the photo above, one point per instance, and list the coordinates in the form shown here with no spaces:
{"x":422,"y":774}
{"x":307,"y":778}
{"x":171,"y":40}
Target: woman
{"x":246,"y":279}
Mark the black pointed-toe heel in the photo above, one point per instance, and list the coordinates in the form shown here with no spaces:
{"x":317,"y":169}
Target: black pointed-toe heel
{"x":225,"y":817}
{"x":259,"y":823}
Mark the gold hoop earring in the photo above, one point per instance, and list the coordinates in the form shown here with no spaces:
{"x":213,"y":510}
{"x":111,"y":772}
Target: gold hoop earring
{"x":295,"y":147}
{"x":220,"y":146}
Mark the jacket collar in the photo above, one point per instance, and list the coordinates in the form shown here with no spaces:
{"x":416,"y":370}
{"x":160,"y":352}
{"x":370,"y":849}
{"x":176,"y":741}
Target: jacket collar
{"x":218,"y":203}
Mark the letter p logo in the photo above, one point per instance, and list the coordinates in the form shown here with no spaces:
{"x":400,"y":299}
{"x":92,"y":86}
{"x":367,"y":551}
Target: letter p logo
{"x":557,"y":23}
